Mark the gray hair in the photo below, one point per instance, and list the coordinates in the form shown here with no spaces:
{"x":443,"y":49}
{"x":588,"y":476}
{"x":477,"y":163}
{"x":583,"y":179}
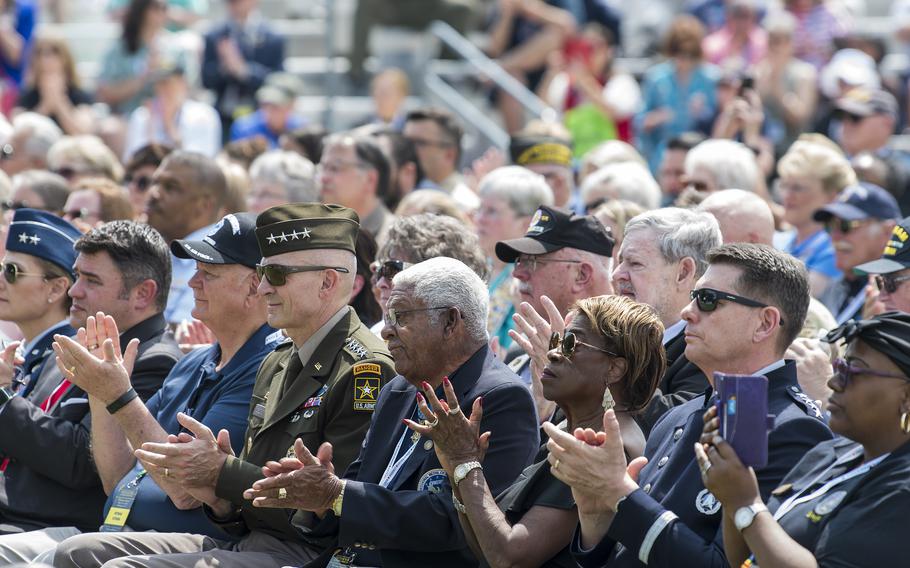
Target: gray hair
{"x":630,"y":181}
{"x":87,"y":151}
{"x":421,"y":237}
{"x":607,"y":153}
{"x":523,"y":190}
{"x":444,"y":281}
{"x":680,"y":233}
{"x":732,"y":164}
{"x":51,"y":188}
{"x":290,"y":170}
{"x":40,"y":131}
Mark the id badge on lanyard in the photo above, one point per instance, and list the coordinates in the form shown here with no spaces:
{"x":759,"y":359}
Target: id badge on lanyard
{"x":121,"y":505}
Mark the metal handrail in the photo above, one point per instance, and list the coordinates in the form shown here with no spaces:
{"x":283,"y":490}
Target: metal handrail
{"x":492,"y":70}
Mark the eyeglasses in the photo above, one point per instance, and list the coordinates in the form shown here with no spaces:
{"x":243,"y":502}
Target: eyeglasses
{"x":842,"y":225}
{"x":277,"y":274}
{"x":419,"y":142}
{"x":845,"y":372}
{"x":387,"y":269}
{"x":12,"y":272}
{"x":708,"y":299}
{"x":6,"y":152}
{"x":142,"y":183}
{"x":888,"y":283}
{"x":393,"y":316}
{"x":530,"y":261}
{"x":849,"y":117}
{"x":569,"y":344}
{"x":696,"y":185}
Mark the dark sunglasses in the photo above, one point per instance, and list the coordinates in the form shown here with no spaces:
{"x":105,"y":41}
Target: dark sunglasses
{"x":850,"y":117}
{"x":888,"y":283}
{"x":845,"y":372}
{"x":708,"y":299}
{"x":388,"y":269}
{"x":569,"y":344}
{"x":12,"y":272}
{"x":67,"y":172}
{"x":142,"y":182}
{"x":393,"y":316}
{"x":277,"y":274}
{"x":842,"y":225}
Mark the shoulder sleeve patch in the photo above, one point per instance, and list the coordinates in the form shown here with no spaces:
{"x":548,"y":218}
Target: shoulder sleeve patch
{"x":367,"y":380}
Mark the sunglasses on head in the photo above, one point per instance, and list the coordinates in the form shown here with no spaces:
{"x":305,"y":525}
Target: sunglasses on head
{"x":387,"y":269}
{"x":569,"y":344}
{"x":889,"y":283}
{"x":707,"y":300}
{"x":277,"y":274}
{"x":845,"y":372}
{"x":12,"y":272}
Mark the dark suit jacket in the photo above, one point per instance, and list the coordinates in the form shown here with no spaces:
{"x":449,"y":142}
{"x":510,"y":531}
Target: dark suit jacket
{"x":51,"y":478}
{"x":413,"y":522}
{"x":264,"y":55}
{"x":681,"y":382}
{"x":672,"y":482}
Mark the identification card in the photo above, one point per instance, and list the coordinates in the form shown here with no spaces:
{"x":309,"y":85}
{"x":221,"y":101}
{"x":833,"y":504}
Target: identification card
{"x":342,"y":558}
{"x":121,"y":505}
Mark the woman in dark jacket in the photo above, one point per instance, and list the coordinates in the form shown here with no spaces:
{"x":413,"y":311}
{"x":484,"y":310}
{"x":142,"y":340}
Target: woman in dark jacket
{"x":844,"y":504}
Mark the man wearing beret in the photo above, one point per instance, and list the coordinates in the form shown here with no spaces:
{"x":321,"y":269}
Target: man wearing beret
{"x":562,"y":258}
{"x":320,"y":386}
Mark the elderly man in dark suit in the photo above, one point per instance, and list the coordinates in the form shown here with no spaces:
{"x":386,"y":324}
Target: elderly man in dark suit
{"x":122,"y":268}
{"x":239,"y":54}
{"x":393,"y":507}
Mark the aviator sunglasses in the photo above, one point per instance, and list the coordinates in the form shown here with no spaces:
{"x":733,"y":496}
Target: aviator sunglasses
{"x":12,"y":272}
{"x":387,"y":269}
{"x":569,"y":344}
{"x":277,"y":274}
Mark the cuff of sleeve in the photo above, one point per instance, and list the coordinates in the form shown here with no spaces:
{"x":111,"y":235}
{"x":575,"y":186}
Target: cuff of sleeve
{"x":230,"y":478}
{"x":639,"y":522}
{"x":591,"y":557}
{"x":233,"y":524}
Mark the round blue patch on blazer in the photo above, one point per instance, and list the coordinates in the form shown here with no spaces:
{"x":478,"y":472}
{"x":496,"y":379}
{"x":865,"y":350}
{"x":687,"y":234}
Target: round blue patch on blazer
{"x":433,"y":481}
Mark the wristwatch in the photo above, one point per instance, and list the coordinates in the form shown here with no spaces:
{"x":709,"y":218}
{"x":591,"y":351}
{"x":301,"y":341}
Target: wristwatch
{"x":462,"y":470}
{"x":745,"y":515}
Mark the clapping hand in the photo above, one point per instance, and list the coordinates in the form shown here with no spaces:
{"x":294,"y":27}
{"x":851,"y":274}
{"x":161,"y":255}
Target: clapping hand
{"x":533,"y":336}
{"x":305,"y":482}
{"x":8,"y":362}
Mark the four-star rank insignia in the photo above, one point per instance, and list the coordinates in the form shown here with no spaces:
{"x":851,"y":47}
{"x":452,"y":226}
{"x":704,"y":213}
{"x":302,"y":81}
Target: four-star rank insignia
{"x":367,"y":380}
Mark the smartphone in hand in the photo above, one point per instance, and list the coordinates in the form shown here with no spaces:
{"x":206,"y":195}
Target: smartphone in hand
{"x":742,"y":410}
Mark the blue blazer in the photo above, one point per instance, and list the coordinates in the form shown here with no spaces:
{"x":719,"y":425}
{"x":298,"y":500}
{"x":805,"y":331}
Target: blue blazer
{"x":413,"y":522}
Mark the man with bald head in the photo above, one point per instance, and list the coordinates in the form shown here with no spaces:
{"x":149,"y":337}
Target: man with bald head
{"x":743,"y":216}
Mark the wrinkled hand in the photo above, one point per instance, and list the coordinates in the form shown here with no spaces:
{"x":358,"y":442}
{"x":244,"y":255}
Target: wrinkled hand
{"x":457,"y":439}
{"x":732,"y":483}
{"x":598,"y":474}
{"x":191,"y":334}
{"x":813,"y":367}
{"x":185,"y":498}
{"x":8,"y":362}
{"x":194,"y":463}
{"x":311,"y":487}
{"x":533,"y":336}
{"x":94,"y":362}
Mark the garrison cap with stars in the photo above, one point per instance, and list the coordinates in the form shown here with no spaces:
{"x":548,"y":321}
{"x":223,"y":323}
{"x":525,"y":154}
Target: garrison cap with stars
{"x":45,"y":236}
{"x":306,"y":226}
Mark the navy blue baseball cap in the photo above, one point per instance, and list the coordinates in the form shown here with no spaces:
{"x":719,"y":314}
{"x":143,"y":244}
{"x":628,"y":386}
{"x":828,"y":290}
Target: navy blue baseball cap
{"x":232,"y":240}
{"x":860,"y":201}
{"x":45,"y":236}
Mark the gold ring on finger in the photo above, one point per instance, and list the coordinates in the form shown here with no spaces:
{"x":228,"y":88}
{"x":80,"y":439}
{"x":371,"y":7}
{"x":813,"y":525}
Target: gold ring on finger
{"x":282,"y":493}
{"x":556,"y":465}
{"x":454,"y":411}
{"x":167,"y":472}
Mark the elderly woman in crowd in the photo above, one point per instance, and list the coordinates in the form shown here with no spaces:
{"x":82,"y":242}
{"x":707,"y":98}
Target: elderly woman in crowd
{"x":610,"y":356}
{"x":95,"y":201}
{"x":278,"y":177}
{"x":509,"y":196}
{"x":811,"y":176}
{"x":422,"y":237}
{"x":77,"y":157}
{"x":38,"y":189}
{"x":52,"y":86}
{"x":845,"y":502}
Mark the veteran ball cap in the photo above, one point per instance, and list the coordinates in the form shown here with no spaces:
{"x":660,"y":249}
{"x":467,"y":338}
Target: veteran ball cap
{"x":896,"y":255}
{"x":530,"y":150}
{"x":306,"y":226}
{"x":863,"y":102}
{"x":45,"y":236}
{"x":552,"y":229}
{"x":860,"y":201}
{"x":230,"y":241}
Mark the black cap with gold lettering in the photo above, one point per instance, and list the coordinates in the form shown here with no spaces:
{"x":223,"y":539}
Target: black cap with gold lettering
{"x":306,"y":226}
{"x":552,"y":229}
{"x":896,"y":255}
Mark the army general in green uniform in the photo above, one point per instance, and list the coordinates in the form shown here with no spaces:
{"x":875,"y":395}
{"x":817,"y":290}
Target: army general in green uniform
{"x":319,"y":386}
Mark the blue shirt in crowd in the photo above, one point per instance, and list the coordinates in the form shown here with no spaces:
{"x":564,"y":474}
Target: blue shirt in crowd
{"x":254,"y":125}
{"x":218,"y":399}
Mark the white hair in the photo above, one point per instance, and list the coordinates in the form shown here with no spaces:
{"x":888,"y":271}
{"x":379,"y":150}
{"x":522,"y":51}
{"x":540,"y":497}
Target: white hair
{"x":625,"y":180}
{"x":680,"y":233}
{"x":607,"y":153}
{"x":523,"y":190}
{"x":41,"y":133}
{"x":290,"y":170}
{"x":732,"y":164}
{"x":444,"y":281}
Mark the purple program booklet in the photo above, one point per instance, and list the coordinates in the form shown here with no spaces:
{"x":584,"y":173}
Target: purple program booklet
{"x":742,"y":408}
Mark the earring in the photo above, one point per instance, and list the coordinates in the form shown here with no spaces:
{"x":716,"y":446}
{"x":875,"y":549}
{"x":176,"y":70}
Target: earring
{"x":608,"y":401}
{"x":905,"y":423}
